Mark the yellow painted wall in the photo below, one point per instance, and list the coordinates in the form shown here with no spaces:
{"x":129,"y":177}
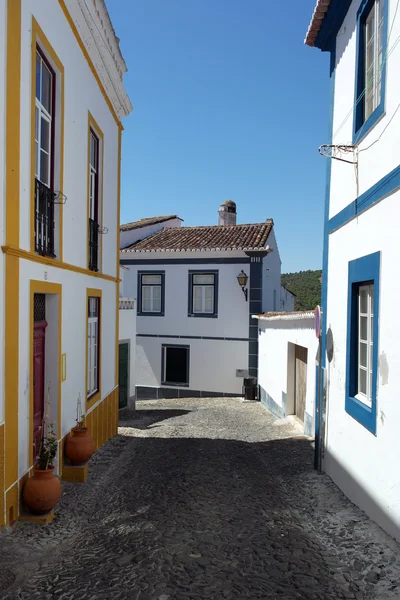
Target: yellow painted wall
{"x":102,"y":423}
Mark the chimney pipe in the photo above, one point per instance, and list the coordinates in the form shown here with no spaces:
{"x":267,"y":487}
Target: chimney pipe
{"x":227,"y":213}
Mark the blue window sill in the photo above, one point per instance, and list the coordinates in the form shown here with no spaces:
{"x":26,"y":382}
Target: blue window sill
{"x":203,"y":316}
{"x":150,"y":314}
{"x":369,"y":124}
{"x":168,"y":383}
{"x":362,"y":413}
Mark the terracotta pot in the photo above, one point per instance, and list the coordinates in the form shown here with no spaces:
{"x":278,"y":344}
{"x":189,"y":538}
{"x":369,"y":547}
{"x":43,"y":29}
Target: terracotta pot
{"x":79,"y":446}
{"x":42,"y":491}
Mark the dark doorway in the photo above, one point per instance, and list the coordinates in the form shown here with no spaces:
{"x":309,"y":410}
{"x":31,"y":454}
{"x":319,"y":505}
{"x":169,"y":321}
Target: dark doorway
{"x":175,"y":365}
{"x":123,"y":375}
{"x":39,"y":336}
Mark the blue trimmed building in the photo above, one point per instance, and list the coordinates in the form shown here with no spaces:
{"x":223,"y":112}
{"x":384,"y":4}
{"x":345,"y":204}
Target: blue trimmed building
{"x":358,"y":410}
{"x":196,"y":289}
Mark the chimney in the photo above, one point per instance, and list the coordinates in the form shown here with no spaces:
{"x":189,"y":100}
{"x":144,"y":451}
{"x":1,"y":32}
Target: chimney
{"x":227,"y":213}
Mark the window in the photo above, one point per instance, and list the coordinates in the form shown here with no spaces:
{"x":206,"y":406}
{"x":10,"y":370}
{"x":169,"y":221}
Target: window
{"x":93,"y":345}
{"x":203,"y":294}
{"x":44,"y":159}
{"x":94,"y":226}
{"x":362,"y":339}
{"x":151,"y":293}
{"x":371,"y":68}
{"x":175,"y":365}
{"x":365,"y":342}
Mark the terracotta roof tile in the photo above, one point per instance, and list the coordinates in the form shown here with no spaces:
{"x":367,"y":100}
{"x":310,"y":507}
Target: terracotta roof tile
{"x":320,"y":11}
{"x":146,"y":222}
{"x":217,"y":237}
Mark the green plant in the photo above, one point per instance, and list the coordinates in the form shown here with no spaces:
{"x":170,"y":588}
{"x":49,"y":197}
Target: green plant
{"x":80,"y":421}
{"x":48,"y":447}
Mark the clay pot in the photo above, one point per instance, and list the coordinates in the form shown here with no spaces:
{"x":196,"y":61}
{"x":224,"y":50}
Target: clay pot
{"x":42,"y":491}
{"x":79,"y":446}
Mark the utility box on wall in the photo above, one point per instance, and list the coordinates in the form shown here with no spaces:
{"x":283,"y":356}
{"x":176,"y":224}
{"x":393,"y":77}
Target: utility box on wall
{"x":242,"y":373}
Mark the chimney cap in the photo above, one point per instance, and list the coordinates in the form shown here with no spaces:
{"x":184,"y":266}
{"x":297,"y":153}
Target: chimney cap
{"x":229,"y":203}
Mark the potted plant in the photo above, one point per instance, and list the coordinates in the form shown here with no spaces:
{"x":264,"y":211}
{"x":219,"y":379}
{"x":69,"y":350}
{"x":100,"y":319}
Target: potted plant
{"x":42,"y":491}
{"x":79,"y":445}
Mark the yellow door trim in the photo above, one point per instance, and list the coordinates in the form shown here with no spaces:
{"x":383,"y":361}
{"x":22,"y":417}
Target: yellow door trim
{"x":12,"y":201}
{"x":93,"y":125}
{"x":97,"y":396}
{"x":39,"y":38}
{"x":51,"y":262}
{"x":88,"y":60}
{"x":43,"y":287}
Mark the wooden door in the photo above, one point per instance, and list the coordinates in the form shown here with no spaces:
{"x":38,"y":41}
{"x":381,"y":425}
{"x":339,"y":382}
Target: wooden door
{"x":123,"y":375}
{"x":39,"y":336}
{"x":300,"y":383}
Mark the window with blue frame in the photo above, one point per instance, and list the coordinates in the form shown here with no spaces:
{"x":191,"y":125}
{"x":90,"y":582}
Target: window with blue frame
{"x":362,"y":339}
{"x":151,"y":293}
{"x":203,"y":294}
{"x":370,"y":66}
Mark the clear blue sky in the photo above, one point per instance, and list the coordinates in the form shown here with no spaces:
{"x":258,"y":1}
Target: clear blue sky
{"x":228,"y":103}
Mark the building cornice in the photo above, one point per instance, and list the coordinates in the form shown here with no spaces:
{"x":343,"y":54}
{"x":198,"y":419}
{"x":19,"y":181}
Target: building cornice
{"x":97,"y":35}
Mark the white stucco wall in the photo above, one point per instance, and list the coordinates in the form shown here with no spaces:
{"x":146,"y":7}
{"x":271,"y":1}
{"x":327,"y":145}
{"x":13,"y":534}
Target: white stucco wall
{"x":212,"y":366}
{"x":127,"y":332}
{"x":77,"y":76}
{"x":213,"y":362}
{"x":365,"y":465}
{"x":287,"y":300}
{"x":381,"y":158}
{"x":127,"y":238}
{"x":271,"y":277}
{"x":3,"y":42}
{"x":362,"y":464}
{"x":276,"y":365}
{"x":73,"y":331}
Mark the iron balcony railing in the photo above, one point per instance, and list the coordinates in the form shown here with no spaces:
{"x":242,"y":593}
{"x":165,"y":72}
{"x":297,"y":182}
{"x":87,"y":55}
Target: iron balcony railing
{"x":93,"y":245}
{"x":44,"y":219}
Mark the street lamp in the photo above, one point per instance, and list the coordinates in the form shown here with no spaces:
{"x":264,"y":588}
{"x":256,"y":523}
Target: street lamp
{"x":242,"y":281}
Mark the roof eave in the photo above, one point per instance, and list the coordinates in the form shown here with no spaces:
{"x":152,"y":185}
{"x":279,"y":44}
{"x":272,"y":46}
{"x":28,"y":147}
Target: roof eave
{"x":325,"y":23}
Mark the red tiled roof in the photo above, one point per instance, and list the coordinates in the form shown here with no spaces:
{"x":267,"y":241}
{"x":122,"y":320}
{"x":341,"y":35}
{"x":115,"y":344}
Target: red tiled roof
{"x":146,"y":222}
{"x":319,"y":13}
{"x":217,"y":237}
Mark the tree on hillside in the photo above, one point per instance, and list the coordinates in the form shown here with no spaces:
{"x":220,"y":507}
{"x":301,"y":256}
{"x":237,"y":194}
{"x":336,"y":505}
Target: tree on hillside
{"x":307,"y":287}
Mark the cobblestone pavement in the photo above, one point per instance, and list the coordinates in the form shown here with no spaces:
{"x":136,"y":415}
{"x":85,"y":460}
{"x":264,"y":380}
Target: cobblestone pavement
{"x":210,"y":498}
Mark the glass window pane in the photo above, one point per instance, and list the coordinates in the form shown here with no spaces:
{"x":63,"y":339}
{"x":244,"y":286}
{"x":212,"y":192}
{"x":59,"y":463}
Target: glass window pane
{"x":372,"y":329}
{"x":146,"y":299}
{"x":156,"y":302}
{"x":44,"y":168}
{"x":363,"y":355}
{"x":209,"y":299}
{"x":38,"y":73}
{"x":93,"y":151}
{"x":151,"y":279}
{"x":203,"y":279}
{"x":45,"y":134}
{"x":157,"y":292}
{"x":362,"y":381}
{"x":363,"y":328}
{"x":36,"y":159}
{"x":363,"y":294}
{"x":371,"y":293}
{"x":197,"y":299}
{"x":46,"y":88}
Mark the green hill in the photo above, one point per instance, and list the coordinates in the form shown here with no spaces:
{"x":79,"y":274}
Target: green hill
{"x":307,"y":287}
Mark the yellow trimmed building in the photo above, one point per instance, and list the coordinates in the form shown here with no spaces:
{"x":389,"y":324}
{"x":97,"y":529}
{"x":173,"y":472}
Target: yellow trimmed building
{"x":62,"y":100}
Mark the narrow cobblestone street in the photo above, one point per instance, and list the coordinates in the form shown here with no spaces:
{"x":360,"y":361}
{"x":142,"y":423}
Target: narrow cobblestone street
{"x":201,"y":498}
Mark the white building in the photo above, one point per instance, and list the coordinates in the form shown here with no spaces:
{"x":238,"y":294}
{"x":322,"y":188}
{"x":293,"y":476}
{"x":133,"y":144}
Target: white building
{"x":358,"y":404}
{"x":195,"y":335}
{"x":62,"y":99}
{"x":287,"y":354}
{"x":287,"y":300}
